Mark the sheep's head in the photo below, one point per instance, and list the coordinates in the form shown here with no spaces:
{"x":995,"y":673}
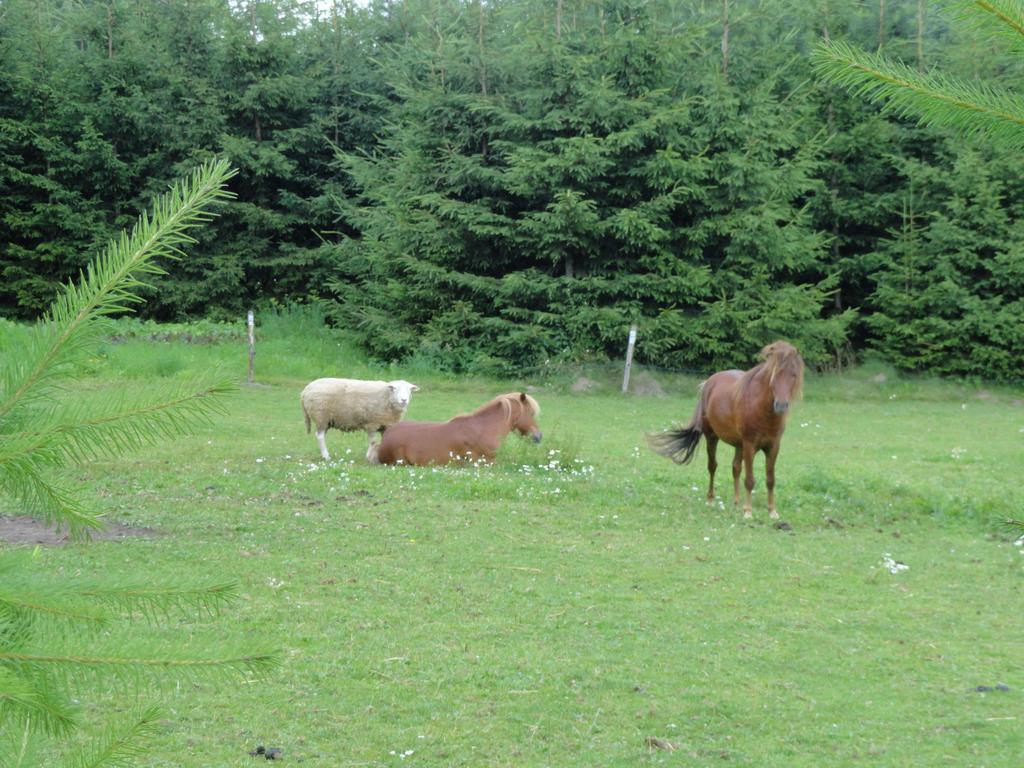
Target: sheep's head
{"x":401,"y":393}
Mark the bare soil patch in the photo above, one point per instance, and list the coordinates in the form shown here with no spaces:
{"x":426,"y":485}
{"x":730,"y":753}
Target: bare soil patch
{"x":644,"y":383}
{"x":583,"y":384}
{"x":28,"y":530}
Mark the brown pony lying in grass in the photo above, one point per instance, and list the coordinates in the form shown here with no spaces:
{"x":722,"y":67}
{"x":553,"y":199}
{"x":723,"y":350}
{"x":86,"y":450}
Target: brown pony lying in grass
{"x":474,"y":436}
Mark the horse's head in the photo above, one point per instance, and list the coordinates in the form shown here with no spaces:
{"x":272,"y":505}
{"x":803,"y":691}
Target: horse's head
{"x":524,"y":417}
{"x":401,"y":393}
{"x":785,"y":370}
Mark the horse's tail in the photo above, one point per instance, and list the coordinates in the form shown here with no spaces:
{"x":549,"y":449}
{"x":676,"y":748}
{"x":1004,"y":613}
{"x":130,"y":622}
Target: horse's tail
{"x":680,"y":444}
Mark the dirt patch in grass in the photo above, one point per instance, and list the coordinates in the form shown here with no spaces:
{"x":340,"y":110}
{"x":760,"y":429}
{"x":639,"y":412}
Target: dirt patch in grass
{"x":28,"y":530}
{"x":583,"y":384}
{"x":645,"y":384}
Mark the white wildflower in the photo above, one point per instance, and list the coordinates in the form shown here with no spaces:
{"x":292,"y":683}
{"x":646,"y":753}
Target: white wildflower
{"x":893,"y":566}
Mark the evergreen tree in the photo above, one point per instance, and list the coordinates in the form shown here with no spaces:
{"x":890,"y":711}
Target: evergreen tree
{"x":58,"y":634}
{"x":49,"y":148}
{"x":520,"y":179}
{"x":590,"y":185}
{"x":265,"y":241}
{"x":947,"y":297}
{"x":985,"y":110}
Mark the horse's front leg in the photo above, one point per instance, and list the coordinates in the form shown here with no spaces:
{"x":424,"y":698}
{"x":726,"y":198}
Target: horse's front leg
{"x":748,"y":478}
{"x":737,"y":467}
{"x":771,"y":454}
{"x":712,"y":441}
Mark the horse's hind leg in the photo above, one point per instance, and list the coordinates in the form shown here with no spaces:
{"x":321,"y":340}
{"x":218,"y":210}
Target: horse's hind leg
{"x":771,"y":454}
{"x":712,"y":441}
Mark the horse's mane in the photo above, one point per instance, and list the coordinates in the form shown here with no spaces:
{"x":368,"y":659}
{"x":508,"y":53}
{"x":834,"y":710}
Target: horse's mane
{"x":505,"y":401}
{"x":778,"y":356}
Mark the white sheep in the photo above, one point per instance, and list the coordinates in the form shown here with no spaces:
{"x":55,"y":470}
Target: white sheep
{"x":352,"y":404}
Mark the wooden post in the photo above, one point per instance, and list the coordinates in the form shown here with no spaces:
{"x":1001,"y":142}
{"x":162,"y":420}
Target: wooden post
{"x":629,"y":357}
{"x":252,"y":344}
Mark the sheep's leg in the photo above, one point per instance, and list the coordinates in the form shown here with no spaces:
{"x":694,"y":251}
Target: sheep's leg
{"x":323,"y":444}
{"x":372,"y":433}
{"x":372,"y":454}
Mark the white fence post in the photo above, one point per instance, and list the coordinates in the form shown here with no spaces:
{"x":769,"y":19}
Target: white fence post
{"x":629,"y":357}
{"x":252,"y":344}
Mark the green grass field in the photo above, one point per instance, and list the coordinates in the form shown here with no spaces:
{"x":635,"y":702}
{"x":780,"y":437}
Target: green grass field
{"x":579,"y":599}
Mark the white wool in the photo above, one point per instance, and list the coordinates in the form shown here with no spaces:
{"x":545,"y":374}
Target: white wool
{"x":353,"y":404}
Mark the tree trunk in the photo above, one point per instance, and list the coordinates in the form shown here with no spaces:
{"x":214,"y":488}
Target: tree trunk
{"x":436,"y":24}
{"x":725,"y":39}
{"x":334,"y":67}
{"x":480,"y":44}
{"x":110,"y":31}
{"x":920,"y":35}
{"x":881,"y":23}
{"x":833,"y":182}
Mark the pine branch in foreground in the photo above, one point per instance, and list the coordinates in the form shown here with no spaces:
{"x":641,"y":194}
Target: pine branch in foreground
{"x":59,"y":637}
{"x":105,"y":424}
{"x":26,"y":704}
{"x":109,"y":285}
{"x":118,"y":748}
{"x":43,"y":427}
{"x":933,"y":99}
{"x":1003,"y":18}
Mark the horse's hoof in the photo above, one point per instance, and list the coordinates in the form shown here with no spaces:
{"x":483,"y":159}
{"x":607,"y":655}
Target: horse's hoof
{"x":773,"y":514}
{"x":747,"y":514}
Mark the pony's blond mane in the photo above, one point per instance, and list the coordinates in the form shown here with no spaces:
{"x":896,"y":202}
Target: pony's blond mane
{"x":779,"y":356}
{"x":783,"y":357}
{"x":506,"y":402}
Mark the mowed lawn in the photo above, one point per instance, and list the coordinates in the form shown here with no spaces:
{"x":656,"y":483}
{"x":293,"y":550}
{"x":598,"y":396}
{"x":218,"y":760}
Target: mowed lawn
{"x":579,"y":604}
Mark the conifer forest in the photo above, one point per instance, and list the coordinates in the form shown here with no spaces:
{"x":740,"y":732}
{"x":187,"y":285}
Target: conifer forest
{"x":495,"y":186}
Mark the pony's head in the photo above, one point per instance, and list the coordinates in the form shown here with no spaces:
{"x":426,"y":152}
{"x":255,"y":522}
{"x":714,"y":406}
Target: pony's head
{"x":521,"y":410}
{"x":785,"y":369}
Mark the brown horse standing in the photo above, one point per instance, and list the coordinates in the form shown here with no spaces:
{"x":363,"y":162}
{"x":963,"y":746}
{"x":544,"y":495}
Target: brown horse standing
{"x":747,"y":410}
{"x":476,"y":435}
